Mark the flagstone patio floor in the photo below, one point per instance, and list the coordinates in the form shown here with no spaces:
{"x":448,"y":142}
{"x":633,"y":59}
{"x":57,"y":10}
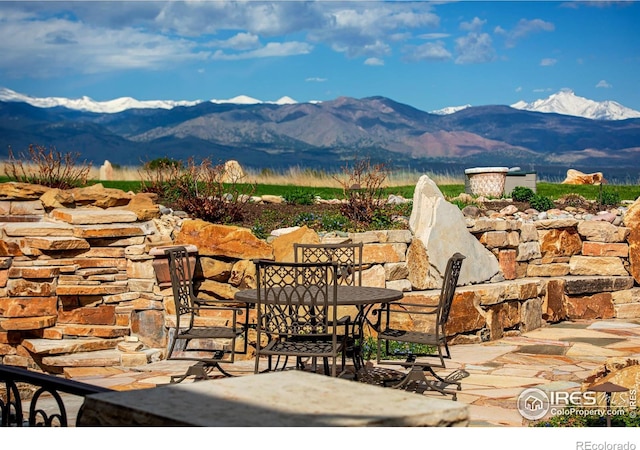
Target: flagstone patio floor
{"x":558,"y":357}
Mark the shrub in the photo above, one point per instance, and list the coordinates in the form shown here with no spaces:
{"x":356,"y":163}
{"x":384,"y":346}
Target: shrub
{"x":47,"y":168}
{"x":521,"y":194}
{"x":362,"y":188}
{"x":541,"y":203}
{"x":199,"y":190}
{"x":609,"y":198}
{"x":299,"y":197}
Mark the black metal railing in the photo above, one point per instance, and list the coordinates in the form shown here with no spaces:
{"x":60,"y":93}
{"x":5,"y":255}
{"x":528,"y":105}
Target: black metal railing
{"x":11,"y":409}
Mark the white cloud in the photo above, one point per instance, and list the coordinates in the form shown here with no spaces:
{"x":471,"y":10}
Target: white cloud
{"x":272,"y":49}
{"x":548,"y":62}
{"x":374,"y":62}
{"x":429,"y":51}
{"x":519,"y":89}
{"x":475,"y":25}
{"x":241,"y":41}
{"x":474,"y":48}
{"x":603,"y":84}
{"x":316,"y":79}
{"x":429,"y":36}
{"x":523,"y":29}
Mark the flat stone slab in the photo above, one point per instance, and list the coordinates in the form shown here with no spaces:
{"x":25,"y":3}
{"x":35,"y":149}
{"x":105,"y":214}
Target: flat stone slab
{"x":93,"y":216}
{"x":276,"y":399}
{"x":61,"y":346}
{"x":100,"y":358}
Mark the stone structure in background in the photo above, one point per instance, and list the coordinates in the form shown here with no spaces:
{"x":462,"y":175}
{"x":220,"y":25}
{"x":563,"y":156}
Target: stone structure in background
{"x":106,"y":171}
{"x":233,"y":172}
{"x":440,"y":230}
{"x":577,"y":177}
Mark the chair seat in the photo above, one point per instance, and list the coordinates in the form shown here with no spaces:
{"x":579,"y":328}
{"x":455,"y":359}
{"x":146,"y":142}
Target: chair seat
{"x":300,"y":348}
{"x":209,"y":333}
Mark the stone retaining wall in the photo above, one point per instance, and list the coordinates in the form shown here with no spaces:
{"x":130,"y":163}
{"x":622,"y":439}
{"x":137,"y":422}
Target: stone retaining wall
{"x":78,"y":286}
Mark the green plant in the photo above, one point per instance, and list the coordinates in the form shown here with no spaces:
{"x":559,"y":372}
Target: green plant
{"x":521,"y":194}
{"x":47,"y":168}
{"x":299,"y":197}
{"x":541,"y":203}
{"x":397,"y":350}
{"x":609,"y":198}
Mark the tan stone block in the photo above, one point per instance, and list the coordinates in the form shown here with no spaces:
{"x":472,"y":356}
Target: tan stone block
{"x":597,"y":265}
{"x":531,"y":314}
{"x":560,"y":242}
{"x":548,"y":224}
{"x":618,"y":249}
{"x":102,"y":289}
{"x":215,"y":269}
{"x":4,"y":277}
{"x":626,"y":296}
{"x":99,"y":315}
{"x":24,"y":288}
{"x":217,"y":290}
{"x":144,"y":205}
{"x":26,"y":208}
{"x":627,"y":311}
{"x":601,"y":231}
{"x":494,"y":239}
{"x":5,"y":207}
{"x":223,"y":240}
{"x":142,"y":304}
{"x":396,"y":271}
{"x":108,"y":231}
{"x":28,"y":306}
{"x":94,"y":263}
{"x":81,"y":216}
{"x":597,"y":306}
{"x":502,"y":316}
{"x":27,"y":323}
{"x":465,"y":315}
{"x":419,"y":268}
{"x":34,"y":272}
{"x":54,"y":243}
{"x":16,"y":360}
{"x":148,"y":326}
{"x":14,"y":190}
{"x":141,"y":269}
{"x":384,"y":253}
{"x":133,"y":359}
{"x":8,"y":248}
{"x":123,"y":319}
{"x":547,"y":270}
{"x":554,"y":307}
{"x":103,"y":331}
{"x":374,"y":276}
{"x":53,"y":333}
{"x":507,"y":260}
{"x":141,"y":285}
{"x":38,"y":229}
{"x":6,"y":349}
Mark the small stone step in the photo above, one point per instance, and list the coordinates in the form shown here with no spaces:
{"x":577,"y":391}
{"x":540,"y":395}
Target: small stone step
{"x":100,"y":358}
{"x":102,"y":331}
{"x":62,"y":346}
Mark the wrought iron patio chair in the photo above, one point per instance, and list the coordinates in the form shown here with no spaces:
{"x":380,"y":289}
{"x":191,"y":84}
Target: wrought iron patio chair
{"x":297,"y":302}
{"x":423,"y":348}
{"x":203,"y":332}
{"x":348,"y":257}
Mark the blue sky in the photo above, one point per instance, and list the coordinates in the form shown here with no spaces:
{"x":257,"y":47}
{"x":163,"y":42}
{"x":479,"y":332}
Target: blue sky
{"x":429,"y":55}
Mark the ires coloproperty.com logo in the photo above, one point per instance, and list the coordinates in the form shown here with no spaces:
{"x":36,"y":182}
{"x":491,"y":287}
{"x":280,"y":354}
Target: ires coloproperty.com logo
{"x":534,"y":403}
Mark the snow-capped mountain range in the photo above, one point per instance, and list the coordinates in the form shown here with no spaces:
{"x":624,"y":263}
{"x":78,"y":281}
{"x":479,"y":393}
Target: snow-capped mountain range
{"x":563,"y":102}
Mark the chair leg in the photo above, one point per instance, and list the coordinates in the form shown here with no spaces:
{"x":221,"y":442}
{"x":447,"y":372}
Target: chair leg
{"x":416,"y":381}
{"x":200,"y":371}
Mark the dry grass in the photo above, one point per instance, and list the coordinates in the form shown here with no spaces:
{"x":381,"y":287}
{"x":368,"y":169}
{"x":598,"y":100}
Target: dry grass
{"x":298,"y":176}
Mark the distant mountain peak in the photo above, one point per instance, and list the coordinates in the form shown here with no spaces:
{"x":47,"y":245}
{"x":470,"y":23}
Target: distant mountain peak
{"x":449,"y":110}
{"x":568,"y":103}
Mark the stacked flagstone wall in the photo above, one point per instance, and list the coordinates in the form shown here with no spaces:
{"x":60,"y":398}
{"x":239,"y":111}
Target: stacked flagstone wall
{"x":78,"y":285}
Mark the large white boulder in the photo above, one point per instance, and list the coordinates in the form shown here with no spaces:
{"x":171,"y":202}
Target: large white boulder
{"x":442,"y":230}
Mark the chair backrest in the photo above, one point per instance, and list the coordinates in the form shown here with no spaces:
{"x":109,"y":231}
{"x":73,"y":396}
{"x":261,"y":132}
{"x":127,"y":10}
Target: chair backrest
{"x":449,"y":283}
{"x":181,"y":282}
{"x":348,"y":257}
{"x":296,"y":298}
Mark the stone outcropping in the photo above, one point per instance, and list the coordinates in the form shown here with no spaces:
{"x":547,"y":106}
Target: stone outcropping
{"x":79,"y":287}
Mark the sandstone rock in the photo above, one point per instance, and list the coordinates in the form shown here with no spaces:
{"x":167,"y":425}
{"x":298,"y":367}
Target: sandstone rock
{"x":218,"y":290}
{"x":560,"y":242}
{"x":577,"y":177}
{"x":21,"y":191}
{"x":374,"y":276}
{"x":28,"y":306}
{"x":86,"y":216}
{"x":222,"y":240}
{"x":597,"y":306}
{"x":57,"y":198}
{"x":216,"y":269}
{"x":441,"y":227}
{"x":38,"y":229}
{"x":283,"y":245}
{"x":233,"y":172}
{"x":243,"y":275}
{"x":598,"y":231}
{"x":106,"y":171}
{"x":597,"y":265}
{"x":98,"y":195}
{"x":144,"y":206}
{"x":619,"y":249}
{"x":632,"y":221}
{"x":381,"y":253}
{"x":591,"y":285}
